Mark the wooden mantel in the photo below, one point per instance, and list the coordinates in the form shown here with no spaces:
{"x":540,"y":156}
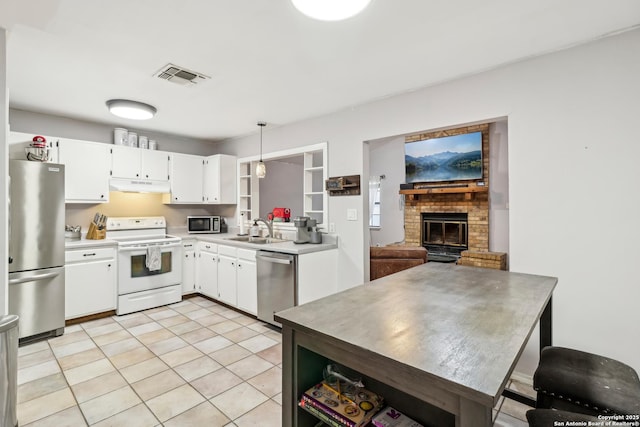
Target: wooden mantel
{"x":467,"y":190}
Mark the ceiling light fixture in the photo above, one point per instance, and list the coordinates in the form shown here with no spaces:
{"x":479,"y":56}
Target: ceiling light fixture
{"x":131,"y":109}
{"x":261,"y":168}
{"x":330,"y":10}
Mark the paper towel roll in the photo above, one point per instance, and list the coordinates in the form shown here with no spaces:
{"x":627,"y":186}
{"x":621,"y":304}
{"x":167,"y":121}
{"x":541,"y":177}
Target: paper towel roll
{"x":242,"y":223}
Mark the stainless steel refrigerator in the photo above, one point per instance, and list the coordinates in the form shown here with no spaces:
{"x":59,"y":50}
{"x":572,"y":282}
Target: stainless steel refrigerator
{"x":36,"y":247}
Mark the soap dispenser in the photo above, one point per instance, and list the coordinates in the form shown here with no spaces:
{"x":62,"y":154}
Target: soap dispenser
{"x":255,"y":230}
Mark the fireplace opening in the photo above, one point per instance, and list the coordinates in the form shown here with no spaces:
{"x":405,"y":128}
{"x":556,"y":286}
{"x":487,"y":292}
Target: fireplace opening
{"x":444,"y":235}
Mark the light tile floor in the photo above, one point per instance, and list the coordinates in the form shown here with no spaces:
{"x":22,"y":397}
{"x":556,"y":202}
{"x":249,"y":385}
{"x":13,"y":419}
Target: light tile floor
{"x":192,"y":363}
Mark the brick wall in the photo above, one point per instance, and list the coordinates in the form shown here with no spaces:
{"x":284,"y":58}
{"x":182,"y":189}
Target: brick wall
{"x":475,"y":205}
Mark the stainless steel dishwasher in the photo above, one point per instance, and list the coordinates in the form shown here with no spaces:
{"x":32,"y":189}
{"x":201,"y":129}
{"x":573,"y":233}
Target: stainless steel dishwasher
{"x":277,"y":284}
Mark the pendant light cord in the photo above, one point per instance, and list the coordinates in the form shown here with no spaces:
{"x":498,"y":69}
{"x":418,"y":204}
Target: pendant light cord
{"x":261,"y":142}
{"x":261,"y":124}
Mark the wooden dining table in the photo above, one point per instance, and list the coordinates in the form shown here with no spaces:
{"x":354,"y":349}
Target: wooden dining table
{"x":438,"y":341}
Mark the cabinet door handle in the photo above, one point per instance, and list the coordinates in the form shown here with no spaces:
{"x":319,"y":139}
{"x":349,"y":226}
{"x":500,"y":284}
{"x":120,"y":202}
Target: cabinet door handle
{"x":92,"y":254}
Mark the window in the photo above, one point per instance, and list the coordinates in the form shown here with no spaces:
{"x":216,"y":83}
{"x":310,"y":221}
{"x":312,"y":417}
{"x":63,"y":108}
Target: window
{"x":374,"y":202}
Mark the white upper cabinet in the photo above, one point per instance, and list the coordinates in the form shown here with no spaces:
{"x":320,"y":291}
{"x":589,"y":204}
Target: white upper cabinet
{"x":137,"y":163}
{"x":86,"y":175}
{"x":220,"y":179}
{"x":155,"y":164}
{"x":186,"y":177}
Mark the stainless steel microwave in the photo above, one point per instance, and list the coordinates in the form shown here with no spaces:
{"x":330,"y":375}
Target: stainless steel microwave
{"x":203,"y":224}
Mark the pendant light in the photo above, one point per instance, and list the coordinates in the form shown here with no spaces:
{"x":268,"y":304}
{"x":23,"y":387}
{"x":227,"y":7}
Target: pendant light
{"x":330,"y":10}
{"x":261,"y":169}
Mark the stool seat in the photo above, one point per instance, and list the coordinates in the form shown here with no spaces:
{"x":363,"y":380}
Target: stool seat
{"x":553,"y":418}
{"x":574,"y":380}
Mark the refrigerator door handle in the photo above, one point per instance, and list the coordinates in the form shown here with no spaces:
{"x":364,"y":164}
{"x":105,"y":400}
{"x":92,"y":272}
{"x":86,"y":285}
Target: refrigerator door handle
{"x":34,"y":278}
{"x":9,"y":216}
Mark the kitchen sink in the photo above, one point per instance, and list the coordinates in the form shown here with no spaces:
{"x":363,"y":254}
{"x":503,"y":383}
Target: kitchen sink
{"x":258,"y":240}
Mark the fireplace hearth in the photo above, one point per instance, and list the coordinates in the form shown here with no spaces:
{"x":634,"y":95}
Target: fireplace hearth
{"x":445,"y":235}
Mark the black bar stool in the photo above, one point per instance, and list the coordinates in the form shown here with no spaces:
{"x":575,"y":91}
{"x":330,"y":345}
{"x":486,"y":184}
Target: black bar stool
{"x":552,"y":418}
{"x":576,"y":381}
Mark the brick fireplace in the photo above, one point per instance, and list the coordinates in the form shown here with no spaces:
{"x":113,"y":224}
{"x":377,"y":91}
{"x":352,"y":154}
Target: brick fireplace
{"x":477,"y":211}
{"x":451,"y":199}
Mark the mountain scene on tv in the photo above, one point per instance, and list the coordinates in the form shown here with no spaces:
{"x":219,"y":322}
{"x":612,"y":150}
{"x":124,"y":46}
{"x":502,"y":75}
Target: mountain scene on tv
{"x":449,"y":158}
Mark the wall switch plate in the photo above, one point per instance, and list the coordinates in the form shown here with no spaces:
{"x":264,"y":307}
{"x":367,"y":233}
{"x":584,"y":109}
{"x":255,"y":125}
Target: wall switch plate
{"x":352,"y":214}
{"x":332,"y":227}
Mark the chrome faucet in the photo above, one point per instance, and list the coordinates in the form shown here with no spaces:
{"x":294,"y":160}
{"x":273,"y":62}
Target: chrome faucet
{"x":269,"y":225}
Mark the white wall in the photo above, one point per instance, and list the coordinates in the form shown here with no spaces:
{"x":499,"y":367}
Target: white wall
{"x":386,"y":157}
{"x":499,"y":187}
{"x":573,"y":149}
{"x":4,"y":171}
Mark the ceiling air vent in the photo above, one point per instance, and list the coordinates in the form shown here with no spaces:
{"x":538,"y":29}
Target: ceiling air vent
{"x":180,"y":75}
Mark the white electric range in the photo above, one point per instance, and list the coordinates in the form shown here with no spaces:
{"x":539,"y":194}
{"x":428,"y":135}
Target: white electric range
{"x":142,"y":286}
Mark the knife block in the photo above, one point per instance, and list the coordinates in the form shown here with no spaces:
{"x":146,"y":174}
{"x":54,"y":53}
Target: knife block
{"x":94,"y":233}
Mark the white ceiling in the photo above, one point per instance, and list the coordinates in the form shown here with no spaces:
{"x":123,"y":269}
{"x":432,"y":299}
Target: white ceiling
{"x":267,"y":61}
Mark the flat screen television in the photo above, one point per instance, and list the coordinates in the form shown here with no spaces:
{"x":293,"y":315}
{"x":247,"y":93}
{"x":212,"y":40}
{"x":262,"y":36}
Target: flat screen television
{"x":450,"y":158}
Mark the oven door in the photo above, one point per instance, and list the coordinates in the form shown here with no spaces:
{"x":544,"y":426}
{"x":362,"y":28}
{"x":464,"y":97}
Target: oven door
{"x":133,"y":274}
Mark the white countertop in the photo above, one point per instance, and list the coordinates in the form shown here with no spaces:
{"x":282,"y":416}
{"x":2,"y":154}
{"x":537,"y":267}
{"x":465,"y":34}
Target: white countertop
{"x":87,"y":243}
{"x":288,"y":247}
{"x":329,"y":242}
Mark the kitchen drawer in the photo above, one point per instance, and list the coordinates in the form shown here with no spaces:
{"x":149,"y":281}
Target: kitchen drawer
{"x":247,"y":254}
{"x":190,"y":245}
{"x":87,"y":255}
{"x":227,"y":250}
{"x":207,"y":246}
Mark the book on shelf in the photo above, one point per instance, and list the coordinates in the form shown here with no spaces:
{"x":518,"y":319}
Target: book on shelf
{"x":325,"y":418}
{"x":390,"y":417}
{"x":344,"y":404}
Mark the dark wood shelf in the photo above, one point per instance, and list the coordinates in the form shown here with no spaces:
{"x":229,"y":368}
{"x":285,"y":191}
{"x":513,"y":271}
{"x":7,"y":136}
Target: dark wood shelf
{"x":468,"y":191}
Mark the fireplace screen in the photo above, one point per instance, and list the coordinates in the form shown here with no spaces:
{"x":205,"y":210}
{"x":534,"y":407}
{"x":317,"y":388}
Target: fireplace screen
{"x":444,"y":232}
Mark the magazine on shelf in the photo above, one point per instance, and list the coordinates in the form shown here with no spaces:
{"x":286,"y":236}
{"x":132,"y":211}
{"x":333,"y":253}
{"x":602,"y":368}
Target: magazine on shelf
{"x":343,"y":403}
{"x":390,"y":417}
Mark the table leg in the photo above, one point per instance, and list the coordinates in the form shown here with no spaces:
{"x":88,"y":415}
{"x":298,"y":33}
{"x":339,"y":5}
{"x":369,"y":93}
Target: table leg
{"x":546,"y":326}
{"x":288,"y":373}
{"x":473,"y":414}
{"x":545,"y":340}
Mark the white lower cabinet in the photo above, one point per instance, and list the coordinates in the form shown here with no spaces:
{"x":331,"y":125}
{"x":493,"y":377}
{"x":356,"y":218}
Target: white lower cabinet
{"x":90,"y":281}
{"x":227,"y":266}
{"x":227,"y":274}
{"x":317,"y":275}
{"x":247,"y":281}
{"x":188,"y":266}
{"x":207,"y":269}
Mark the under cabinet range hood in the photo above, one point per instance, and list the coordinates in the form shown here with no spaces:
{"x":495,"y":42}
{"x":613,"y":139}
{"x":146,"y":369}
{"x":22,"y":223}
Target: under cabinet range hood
{"x":139,"y":186}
